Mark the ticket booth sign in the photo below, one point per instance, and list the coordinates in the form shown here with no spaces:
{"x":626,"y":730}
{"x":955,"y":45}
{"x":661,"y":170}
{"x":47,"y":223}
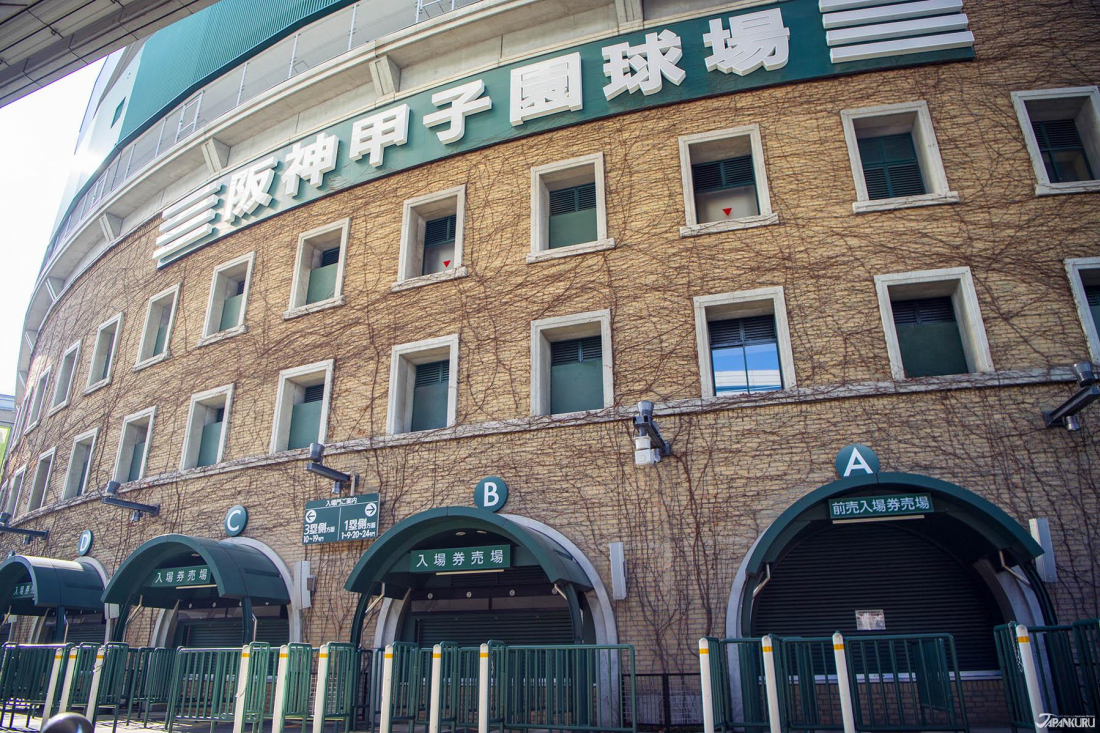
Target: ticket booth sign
{"x":341,"y":520}
{"x":181,"y":577}
{"x":22,"y":591}
{"x":461,"y":559}
{"x":870,"y":507}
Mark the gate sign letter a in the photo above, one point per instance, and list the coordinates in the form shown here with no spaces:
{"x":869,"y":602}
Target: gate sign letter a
{"x":856,"y":459}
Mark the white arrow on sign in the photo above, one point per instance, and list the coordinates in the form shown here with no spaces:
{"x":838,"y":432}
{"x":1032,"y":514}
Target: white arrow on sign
{"x":311,"y":515}
{"x":371,"y":509}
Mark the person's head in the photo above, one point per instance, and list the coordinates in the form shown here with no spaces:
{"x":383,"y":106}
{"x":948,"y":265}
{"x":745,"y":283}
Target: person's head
{"x":68,"y":723}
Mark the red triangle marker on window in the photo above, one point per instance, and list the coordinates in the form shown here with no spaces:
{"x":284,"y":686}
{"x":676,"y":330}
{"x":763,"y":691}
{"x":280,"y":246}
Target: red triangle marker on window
{"x":727,"y":211}
{"x":446,"y":263}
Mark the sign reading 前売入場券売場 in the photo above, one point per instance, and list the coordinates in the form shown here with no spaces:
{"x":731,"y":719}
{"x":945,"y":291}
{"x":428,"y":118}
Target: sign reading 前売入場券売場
{"x":341,"y":520}
{"x":866,"y":507}
{"x":460,"y":559}
{"x":677,"y":62}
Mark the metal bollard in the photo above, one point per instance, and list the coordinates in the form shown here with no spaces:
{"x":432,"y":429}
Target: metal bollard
{"x":242,"y":691}
{"x":322,"y":686}
{"x":1031,"y":677}
{"x":278,"y":717}
{"x":483,"y":690}
{"x":844,"y":684}
{"x":437,"y":679}
{"x":54,"y":688}
{"x":771,"y":687}
{"x":386,"y":722}
{"x":704,"y":681}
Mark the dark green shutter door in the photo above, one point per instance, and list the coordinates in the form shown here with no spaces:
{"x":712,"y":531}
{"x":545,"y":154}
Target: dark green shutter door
{"x":275,"y":631}
{"x":928,"y":337}
{"x":510,"y":627}
{"x":817,"y":587}
{"x":1092,"y":293}
{"x":91,"y":631}
{"x":576,"y":375}
{"x":890,"y":166}
{"x":212,"y":633}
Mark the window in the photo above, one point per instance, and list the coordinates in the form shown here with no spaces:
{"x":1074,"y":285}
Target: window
{"x":204,"y":440}
{"x":301,"y":406}
{"x":423,"y":385}
{"x":103,"y":355}
{"x":1084,"y":280}
{"x":895,"y":157}
{"x":38,"y":399}
{"x":156,"y":334}
{"x":228,"y":298}
{"x":15,"y":488}
{"x":571,"y":366}
{"x":63,"y":390}
{"x":568,"y":208}
{"x":744,"y":342}
{"x":725,"y":184}
{"x":431,"y":239}
{"x":1062,"y":132}
{"x":118,"y":112}
{"x":319,"y":274}
{"x":932,"y":323}
{"x":133,"y":445}
{"x":80,"y":463}
{"x":41,"y":483}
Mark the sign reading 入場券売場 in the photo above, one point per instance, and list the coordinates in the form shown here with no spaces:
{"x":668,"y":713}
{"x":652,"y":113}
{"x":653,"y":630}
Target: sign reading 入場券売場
{"x":181,"y":577}
{"x":864,"y":507}
{"x":341,"y":520}
{"x":700,"y":57}
{"x":460,"y":559}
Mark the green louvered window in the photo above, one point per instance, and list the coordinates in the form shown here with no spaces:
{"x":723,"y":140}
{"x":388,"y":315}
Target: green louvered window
{"x":305,"y":418}
{"x":890,"y":166}
{"x":576,"y":375}
{"x":928,"y":336}
{"x":439,"y":244}
{"x":1092,"y":294}
{"x":322,"y":278}
{"x":572,"y":216}
{"x":744,"y":355}
{"x":1062,"y":150}
{"x":211,"y":439}
{"x":231,"y":307}
{"x":429,"y":402}
{"x":725,"y":189}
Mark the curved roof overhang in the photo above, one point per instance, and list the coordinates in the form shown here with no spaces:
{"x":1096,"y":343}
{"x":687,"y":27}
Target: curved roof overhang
{"x":239,"y":571}
{"x":996,"y":529}
{"x":393,"y":547}
{"x":54,"y":584}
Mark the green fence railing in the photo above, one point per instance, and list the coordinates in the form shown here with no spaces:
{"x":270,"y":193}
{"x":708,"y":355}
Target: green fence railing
{"x":459,"y":685}
{"x":148,"y":682}
{"x":297,"y":684}
{"x":111,"y":691}
{"x":25,"y":671}
{"x":369,"y":688}
{"x":737,"y":684}
{"x":204,"y":686}
{"x":809,"y":696}
{"x":410,"y":685}
{"x":259,"y":692}
{"x":905,"y":683}
{"x":568,"y":688}
{"x":336,"y":698}
{"x":78,"y":675}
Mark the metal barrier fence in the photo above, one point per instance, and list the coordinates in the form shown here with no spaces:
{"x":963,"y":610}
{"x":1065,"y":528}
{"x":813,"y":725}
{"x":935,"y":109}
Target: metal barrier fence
{"x":408,"y":686}
{"x":905,"y":683}
{"x":808,"y":686}
{"x":253,"y":704}
{"x":575,"y":687}
{"x":1049,"y":670}
{"x":26,"y":676}
{"x":337,"y":677}
{"x":735,"y":677}
{"x":108,"y":690}
{"x":204,"y":686}
{"x":669,"y":700}
{"x":369,"y":688}
{"x":294,"y":690}
{"x":78,"y":676}
{"x":455,"y":686}
{"x":148,"y":682}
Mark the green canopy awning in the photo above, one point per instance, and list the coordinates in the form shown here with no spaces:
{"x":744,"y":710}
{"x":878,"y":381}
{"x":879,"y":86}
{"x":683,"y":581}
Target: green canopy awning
{"x":54,"y":583}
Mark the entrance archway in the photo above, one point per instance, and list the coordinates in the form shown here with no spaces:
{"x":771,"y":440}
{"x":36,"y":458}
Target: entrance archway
{"x":64,"y":594}
{"x":217,"y":593}
{"x":544,"y":595}
{"x":960,"y":568}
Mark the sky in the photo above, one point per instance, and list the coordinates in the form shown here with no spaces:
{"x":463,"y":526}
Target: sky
{"x":39,"y":134}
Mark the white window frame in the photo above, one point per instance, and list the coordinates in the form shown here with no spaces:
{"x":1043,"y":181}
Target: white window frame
{"x":69,"y":491}
{"x":928,"y":153}
{"x":964,"y":299}
{"x":763,"y":196}
{"x":742,"y":304}
{"x":299,"y":285}
{"x":50,"y":455}
{"x":578,"y":325}
{"x":56,"y":406}
{"x":112,"y":349}
{"x":540,"y":209}
{"x":403,"y":358}
{"x":38,"y":399}
{"x":193,"y":435}
{"x":149,"y":414}
{"x":1075,"y":267}
{"x":11,"y":505}
{"x":149,"y":331}
{"x":280,"y":427}
{"x":412,"y":240}
{"x":1091,"y":138}
{"x":215,"y":301}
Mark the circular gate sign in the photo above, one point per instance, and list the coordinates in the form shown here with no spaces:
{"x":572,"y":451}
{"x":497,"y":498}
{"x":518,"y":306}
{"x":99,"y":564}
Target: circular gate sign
{"x":491,"y":493}
{"x":84,"y":544}
{"x":856,"y":460}
{"x":236,"y":519}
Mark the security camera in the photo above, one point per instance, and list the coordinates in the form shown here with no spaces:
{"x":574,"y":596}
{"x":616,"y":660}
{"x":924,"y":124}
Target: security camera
{"x":112,"y":488}
{"x":5,"y":517}
{"x":1073,"y":423}
{"x":649,"y":446}
{"x":316,"y":452}
{"x":1085,"y":375}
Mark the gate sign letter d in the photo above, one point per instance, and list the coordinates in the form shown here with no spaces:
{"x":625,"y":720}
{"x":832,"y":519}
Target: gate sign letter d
{"x":491,"y":493}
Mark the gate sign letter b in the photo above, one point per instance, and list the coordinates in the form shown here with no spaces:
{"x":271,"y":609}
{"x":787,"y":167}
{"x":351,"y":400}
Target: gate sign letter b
{"x":491,"y":493}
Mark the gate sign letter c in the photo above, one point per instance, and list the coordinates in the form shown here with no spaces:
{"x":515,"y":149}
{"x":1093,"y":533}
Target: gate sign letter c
{"x":491,"y":493}
{"x":236,"y":519}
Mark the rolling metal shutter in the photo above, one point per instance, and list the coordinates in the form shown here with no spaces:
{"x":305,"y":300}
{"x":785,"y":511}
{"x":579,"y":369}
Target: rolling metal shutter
{"x":510,"y":627}
{"x":91,"y":631}
{"x":818,"y":585}
{"x":226,"y":632}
